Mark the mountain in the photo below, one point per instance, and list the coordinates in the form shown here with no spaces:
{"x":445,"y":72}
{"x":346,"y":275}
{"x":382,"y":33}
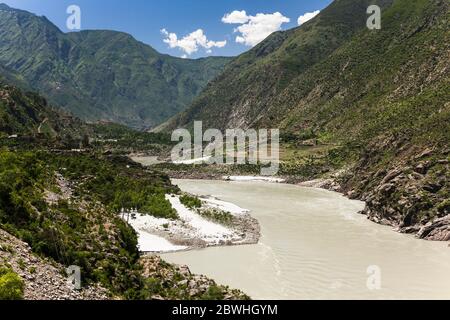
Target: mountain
{"x":380,"y":98}
{"x":99,"y":75}
{"x":243,"y":95}
{"x":26,"y":114}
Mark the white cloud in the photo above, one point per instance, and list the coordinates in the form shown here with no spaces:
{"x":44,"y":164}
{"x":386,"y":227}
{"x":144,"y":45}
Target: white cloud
{"x":192,"y":42}
{"x":254,"y":29}
{"x":307,"y":16}
{"x":236,"y":17}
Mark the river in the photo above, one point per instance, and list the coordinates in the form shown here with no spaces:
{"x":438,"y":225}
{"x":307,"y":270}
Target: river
{"x":315,"y":245}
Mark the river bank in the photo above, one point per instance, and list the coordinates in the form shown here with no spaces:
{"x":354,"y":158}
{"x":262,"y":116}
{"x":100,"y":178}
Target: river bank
{"x":403,"y":199}
{"x":195,"y":228}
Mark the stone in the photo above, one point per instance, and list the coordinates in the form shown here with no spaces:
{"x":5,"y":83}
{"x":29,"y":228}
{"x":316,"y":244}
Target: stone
{"x":422,"y":167}
{"x":183,"y":283}
{"x":424,"y":153}
{"x":391,"y":175}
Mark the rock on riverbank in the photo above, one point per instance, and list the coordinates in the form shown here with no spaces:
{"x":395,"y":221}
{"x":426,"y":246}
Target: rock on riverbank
{"x":177,"y":282}
{"x":412,"y":196}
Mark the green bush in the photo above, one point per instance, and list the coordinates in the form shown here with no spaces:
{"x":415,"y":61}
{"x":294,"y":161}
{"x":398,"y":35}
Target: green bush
{"x":190,"y":201}
{"x":221,"y":217}
{"x":214,"y":293}
{"x":11,"y":285}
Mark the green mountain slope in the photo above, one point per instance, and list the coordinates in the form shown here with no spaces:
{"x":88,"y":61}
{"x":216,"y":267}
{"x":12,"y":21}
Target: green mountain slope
{"x":100,"y":75}
{"x":28,"y":115}
{"x":379,"y":97}
{"x":244,"y":92}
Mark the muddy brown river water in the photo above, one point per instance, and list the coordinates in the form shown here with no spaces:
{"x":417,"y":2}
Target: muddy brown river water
{"x":315,"y":245}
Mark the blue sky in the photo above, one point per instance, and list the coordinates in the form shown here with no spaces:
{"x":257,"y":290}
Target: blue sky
{"x":145,"y":19}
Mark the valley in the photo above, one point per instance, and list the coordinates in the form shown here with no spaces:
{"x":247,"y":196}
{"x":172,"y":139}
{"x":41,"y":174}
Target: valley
{"x":87,"y":179}
{"x":375,"y":102}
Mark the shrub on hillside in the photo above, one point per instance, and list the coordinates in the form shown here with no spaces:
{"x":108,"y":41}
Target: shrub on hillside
{"x":11,"y":285}
{"x":190,"y":201}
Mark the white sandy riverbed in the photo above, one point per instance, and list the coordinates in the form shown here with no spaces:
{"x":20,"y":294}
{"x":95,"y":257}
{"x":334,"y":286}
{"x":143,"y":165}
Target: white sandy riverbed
{"x":164,"y":235}
{"x":193,"y":161}
{"x":151,"y":243}
{"x":224,"y":206}
{"x":253,"y":178}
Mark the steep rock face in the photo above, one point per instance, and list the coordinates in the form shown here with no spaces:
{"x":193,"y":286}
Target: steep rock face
{"x":411,"y":194}
{"x":99,"y":75}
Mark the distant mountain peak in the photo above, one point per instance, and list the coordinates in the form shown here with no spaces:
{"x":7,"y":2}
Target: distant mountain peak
{"x":99,"y":74}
